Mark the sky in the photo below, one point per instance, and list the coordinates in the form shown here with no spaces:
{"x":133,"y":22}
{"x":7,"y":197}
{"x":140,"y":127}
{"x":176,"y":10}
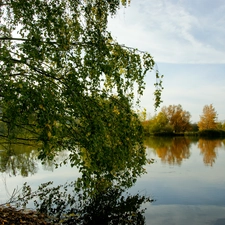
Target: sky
{"x":187,"y":41}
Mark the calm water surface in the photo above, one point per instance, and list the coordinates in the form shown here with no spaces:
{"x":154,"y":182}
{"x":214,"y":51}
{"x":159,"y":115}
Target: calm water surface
{"x":187,"y":180}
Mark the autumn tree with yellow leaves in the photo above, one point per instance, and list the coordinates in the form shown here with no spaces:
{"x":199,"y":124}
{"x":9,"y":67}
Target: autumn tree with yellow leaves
{"x":170,"y":119}
{"x":208,"y":118}
{"x":178,"y":118}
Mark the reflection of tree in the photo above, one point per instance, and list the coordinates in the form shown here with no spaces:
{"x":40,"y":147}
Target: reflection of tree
{"x":158,"y":142}
{"x":107,"y":171}
{"x":110,"y":206}
{"x":101,"y":171}
{"x":178,"y":151}
{"x":18,"y":159}
{"x":209,"y":150}
{"x":171,"y":150}
{"x":97,"y":197}
{"x":117,"y":161}
{"x":21,"y":159}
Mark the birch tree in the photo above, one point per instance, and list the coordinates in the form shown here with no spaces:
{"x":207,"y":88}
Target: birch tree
{"x":66,"y":83}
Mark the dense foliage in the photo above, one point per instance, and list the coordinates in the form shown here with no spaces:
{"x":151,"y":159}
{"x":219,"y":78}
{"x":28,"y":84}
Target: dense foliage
{"x":171,"y":119}
{"x":66,"y":83}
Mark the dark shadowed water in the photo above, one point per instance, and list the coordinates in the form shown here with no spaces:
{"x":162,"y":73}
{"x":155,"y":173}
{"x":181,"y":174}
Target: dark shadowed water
{"x":186,"y":180}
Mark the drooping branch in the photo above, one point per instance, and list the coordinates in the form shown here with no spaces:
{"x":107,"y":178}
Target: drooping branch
{"x":71,"y":43}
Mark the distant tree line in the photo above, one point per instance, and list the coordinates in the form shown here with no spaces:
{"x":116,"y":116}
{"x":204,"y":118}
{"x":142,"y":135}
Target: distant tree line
{"x":173,"y":119}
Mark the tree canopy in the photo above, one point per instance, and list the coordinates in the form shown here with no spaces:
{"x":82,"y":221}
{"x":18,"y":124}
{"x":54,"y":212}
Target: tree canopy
{"x":178,"y":118}
{"x":159,"y":123}
{"x":208,"y":118}
{"x":170,"y":119}
{"x":66,"y":83}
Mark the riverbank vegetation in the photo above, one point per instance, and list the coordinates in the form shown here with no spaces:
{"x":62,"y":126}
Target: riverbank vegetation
{"x":174,"y":121}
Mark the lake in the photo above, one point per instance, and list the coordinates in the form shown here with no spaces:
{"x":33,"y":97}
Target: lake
{"x":186,"y":180}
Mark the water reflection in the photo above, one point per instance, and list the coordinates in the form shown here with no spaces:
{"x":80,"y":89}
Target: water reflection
{"x":22,"y":159}
{"x":98,"y":195}
{"x":109,"y":206}
{"x":209,"y":150}
{"x":99,"y":192}
{"x":18,"y":160}
{"x":170,"y":150}
{"x":174,"y":150}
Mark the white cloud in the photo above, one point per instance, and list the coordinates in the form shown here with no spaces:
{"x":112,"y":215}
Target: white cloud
{"x":171,"y":31}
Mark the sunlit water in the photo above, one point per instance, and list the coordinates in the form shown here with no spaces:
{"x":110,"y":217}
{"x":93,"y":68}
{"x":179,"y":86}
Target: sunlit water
{"x":186,"y":180}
